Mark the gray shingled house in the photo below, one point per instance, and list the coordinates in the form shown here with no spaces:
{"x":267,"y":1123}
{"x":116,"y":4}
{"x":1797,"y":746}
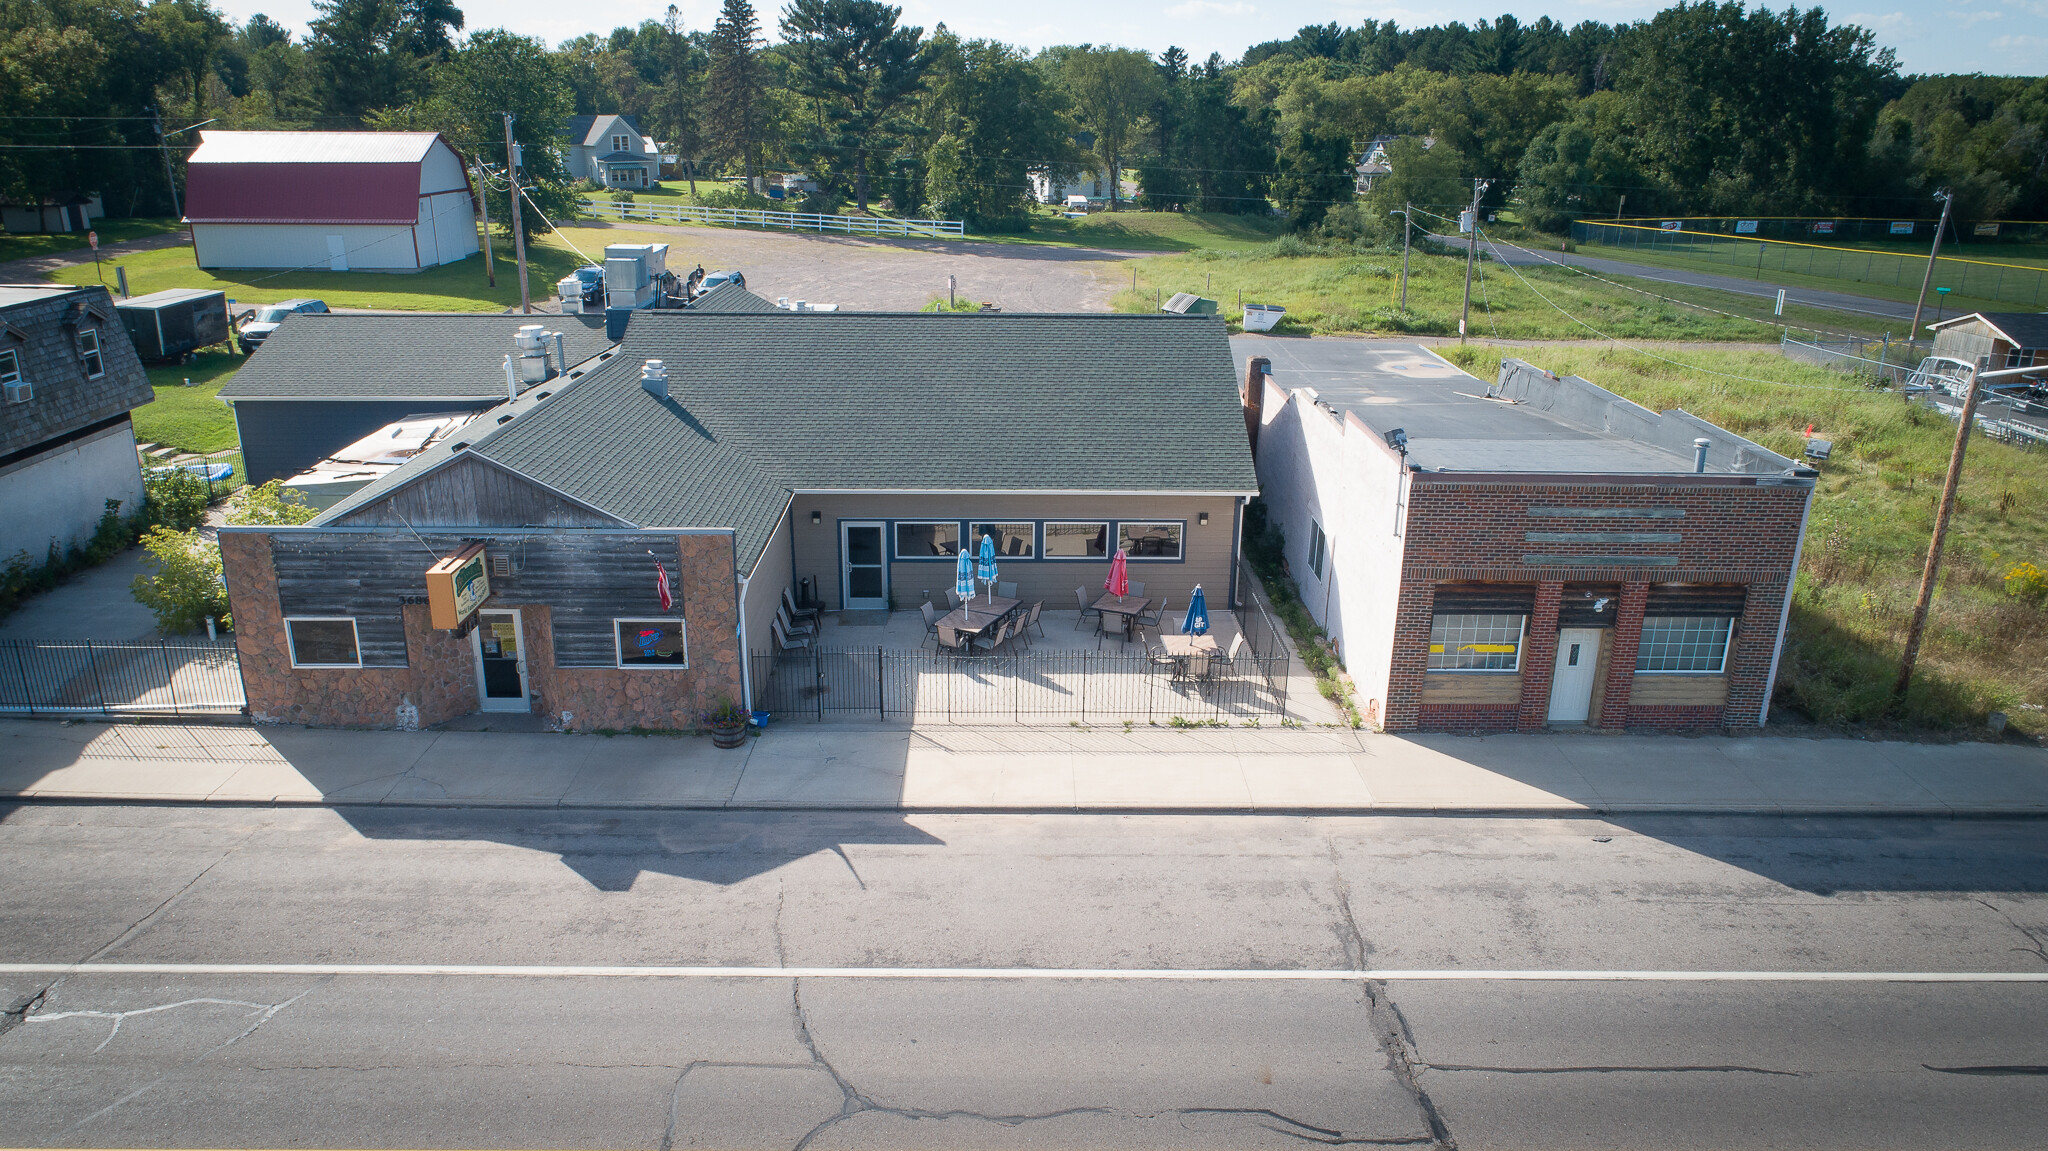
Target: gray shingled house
{"x":748,"y":455}
{"x":66,"y":442}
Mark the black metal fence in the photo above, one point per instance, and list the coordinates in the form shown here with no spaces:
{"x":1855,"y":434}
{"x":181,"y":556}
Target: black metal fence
{"x":1018,"y":687}
{"x":158,"y":677}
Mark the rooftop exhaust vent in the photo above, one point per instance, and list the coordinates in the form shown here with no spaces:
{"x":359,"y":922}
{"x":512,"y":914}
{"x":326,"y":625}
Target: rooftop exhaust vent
{"x":654,"y":377}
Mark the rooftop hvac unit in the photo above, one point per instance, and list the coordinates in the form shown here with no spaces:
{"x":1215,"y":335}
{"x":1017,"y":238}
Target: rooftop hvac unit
{"x":532,"y":342}
{"x":20,"y":392}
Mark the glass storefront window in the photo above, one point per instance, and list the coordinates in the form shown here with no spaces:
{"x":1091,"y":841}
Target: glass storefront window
{"x":927,"y":539}
{"x":1475,"y":643}
{"x":653,"y":643}
{"x":1012,"y":539}
{"x":323,"y":642}
{"x":1087,"y":539}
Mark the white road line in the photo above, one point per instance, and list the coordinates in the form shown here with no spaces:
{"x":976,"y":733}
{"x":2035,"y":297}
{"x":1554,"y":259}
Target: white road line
{"x":1104,"y":974}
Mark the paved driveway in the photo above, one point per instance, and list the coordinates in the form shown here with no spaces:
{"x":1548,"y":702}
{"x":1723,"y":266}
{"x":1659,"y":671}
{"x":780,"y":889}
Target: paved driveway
{"x":870,"y":275}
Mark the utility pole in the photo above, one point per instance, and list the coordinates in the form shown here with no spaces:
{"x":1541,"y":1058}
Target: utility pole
{"x":484,"y":202}
{"x":1471,"y":257}
{"x":518,"y":234}
{"x":163,"y":145}
{"x":1407,"y":227}
{"x":1941,"y":514}
{"x":1948,"y":200}
{"x":1621,"y":207}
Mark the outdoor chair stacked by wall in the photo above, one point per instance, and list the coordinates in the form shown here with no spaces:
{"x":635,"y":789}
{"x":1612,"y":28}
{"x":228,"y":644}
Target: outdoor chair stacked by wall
{"x":783,"y":639}
{"x":802,"y":615}
{"x":792,"y":628}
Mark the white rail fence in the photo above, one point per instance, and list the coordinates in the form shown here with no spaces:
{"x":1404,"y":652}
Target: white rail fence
{"x":789,"y":221}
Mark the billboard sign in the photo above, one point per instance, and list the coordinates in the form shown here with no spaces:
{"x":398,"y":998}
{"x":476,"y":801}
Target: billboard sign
{"x":1745,"y":227}
{"x":1673,"y":225}
{"x":456,"y":586}
{"x":1902,"y":227}
{"x":1823,"y":227}
{"x":1985,"y":230}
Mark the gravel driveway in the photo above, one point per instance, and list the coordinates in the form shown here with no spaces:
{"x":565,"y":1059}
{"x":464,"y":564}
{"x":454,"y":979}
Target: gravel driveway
{"x":872,"y":275}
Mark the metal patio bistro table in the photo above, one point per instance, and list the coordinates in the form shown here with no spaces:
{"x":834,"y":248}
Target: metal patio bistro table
{"x":1191,"y":653}
{"x":978,"y":615}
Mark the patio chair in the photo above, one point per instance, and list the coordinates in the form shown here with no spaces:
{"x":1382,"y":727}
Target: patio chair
{"x":952,"y":600}
{"x":1006,"y":590}
{"x":1151,"y":617}
{"x":931,"y":619}
{"x":795,"y":629}
{"x":1112,"y":623}
{"x":1137,"y":587}
{"x":798,"y":614}
{"x":1219,"y":665}
{"x":782,"y":639}
{"x":1032,"y":619}
{"x":1082,"y":601}
{"x":991,"y":642}
{"x":950,"y":639}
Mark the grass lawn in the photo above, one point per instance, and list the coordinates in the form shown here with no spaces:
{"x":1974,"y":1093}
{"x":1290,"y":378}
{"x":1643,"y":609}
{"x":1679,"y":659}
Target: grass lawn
{"x":22,"y":245}
{"x":1908,"y":273}
{"x":190,"y":419}
{"x":1360,"y":293}
{"x":458,"y":287}
{"x":1867,"y":537}
{"x":1133,"y":230}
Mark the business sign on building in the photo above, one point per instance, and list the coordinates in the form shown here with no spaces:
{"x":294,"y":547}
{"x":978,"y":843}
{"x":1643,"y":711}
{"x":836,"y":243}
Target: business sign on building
{"x":456,"y":586}
{"x":1902,"y":227}
{"x":1745,"y":227}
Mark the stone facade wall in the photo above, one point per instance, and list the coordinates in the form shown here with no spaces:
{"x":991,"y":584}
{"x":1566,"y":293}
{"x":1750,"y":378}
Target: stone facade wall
{"x":1731,"y":532}
{"x":440,"y":677}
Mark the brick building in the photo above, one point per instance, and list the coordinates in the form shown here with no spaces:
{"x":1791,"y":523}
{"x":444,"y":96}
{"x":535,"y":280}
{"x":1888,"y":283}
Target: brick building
{"x":1536,"y":552}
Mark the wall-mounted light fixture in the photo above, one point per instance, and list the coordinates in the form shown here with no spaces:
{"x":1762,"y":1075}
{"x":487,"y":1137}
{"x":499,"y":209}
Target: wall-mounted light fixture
{"x":1203,"y":519}
{"x":816,"y":517}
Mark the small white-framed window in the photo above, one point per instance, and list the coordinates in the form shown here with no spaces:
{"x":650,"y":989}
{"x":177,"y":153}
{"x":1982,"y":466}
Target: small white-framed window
{"x":10,"y":366}
{"x":1013,"y":540}
{"x":1076,"y":540}
{"x":1317,"y":544}
{"x":618,"y":143}
{"x":927,"y":539}
{"x":323,"y":641}
{"x":89,"y":354}
{"x":1477,"y":642}
{"x":652,"y":642}
{"x":1142,"y":540}
{"x":1682,"y":643}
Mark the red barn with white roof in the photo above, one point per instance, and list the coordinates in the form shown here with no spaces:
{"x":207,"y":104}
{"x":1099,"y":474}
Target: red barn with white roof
{"x":335,"y":201}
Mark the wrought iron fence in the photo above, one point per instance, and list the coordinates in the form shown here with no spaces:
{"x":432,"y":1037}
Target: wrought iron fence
{"x":793,"y":221}
{"x":1019,"y":687}
{"x":162,"y":677}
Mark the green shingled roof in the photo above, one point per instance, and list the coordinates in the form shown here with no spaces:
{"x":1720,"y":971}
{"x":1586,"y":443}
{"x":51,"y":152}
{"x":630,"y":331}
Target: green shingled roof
{"x":763,"y":405}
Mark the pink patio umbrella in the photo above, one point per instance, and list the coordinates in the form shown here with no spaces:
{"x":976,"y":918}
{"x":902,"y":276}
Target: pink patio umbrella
{"x":1119,"y":580}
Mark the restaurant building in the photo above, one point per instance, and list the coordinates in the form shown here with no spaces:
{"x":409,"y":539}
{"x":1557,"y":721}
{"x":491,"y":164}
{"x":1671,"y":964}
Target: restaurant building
{"x":839,"y":456}
{"x":1533,"y":553}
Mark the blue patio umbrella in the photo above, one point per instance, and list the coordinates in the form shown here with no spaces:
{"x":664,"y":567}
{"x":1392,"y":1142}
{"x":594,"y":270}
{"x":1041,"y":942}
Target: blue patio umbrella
{"x":1197,"y":622}
{"x":986,"y":569}
{"x":963,"y":576}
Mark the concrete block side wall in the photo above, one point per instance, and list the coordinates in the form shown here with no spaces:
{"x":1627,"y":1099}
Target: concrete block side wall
{"x":58,"y":496}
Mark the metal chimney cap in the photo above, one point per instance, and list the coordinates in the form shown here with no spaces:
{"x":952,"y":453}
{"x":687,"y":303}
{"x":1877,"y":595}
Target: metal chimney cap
{"x":653,"y":368}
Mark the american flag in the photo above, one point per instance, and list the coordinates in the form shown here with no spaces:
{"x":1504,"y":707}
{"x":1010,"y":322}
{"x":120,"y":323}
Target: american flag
{"x":661,"y":586}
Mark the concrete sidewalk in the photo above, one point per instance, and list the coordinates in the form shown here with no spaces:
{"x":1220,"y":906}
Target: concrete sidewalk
{"x":1017,"y":769}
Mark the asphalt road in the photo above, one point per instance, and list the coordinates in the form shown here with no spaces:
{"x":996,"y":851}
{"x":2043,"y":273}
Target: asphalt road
{"x":349,"y":1052}
{"x":1522,"y":257}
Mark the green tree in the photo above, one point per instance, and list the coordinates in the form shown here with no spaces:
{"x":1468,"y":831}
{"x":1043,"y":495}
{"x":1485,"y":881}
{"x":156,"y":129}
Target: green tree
{"x":859,"y":68}
{"x":1315,"y":175}
{"x":183,"y":585}
{"x":188,"y":35}
{"x":268,"y":504}
{"x":1566,"y":173}
{"x":363,"y":52}
{"x":495,"y":72}
{"x":996,"y":119}
{"x":735,"y":110}
{"x":1113,"y":88}
{"x":675,"y":115}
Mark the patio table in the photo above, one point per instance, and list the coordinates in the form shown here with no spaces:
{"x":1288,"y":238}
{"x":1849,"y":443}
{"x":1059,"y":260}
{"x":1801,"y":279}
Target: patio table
{"x":1186,"y":650}
{"x":979,"y":614}
{"x":1130,"y":605}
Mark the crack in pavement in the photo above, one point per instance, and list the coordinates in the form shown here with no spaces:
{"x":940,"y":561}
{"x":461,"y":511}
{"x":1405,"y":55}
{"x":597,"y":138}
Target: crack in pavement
{"x":2039,"y":950}
{"x":270,"y":1011}
{"x":1610,"y":1069}
{"x":14,"y":1016}
{"x":1390,"y":1027}
{"x":1991,"y":1069}
{"x":120,"y":1017}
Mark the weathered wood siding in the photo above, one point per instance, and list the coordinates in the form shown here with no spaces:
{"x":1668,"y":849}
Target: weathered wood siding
{"x":585,"y":580}
{"x":469,"y":490}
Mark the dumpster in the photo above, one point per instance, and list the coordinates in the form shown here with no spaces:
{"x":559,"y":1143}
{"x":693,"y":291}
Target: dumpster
{"x":1262,"y":317}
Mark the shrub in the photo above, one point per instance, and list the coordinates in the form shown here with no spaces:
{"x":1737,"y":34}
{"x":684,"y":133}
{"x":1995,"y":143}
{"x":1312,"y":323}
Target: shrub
{"x":736,"y":196}
{"x":269,"y":503}
{"x":185,"y":586}
{"x":2027,"y":583}
{"x":174,"y":498}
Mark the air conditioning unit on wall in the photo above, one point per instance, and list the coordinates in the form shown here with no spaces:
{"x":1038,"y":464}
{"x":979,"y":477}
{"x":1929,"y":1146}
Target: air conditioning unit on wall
{"x":20,"y":392}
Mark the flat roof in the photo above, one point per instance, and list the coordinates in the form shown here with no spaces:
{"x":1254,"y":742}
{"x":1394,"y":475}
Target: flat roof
{"x":12,"y":294}
{"x":1453,"y":426}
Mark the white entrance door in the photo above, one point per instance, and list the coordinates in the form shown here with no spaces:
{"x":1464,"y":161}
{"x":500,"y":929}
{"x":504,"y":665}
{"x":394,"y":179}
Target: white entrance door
{"x":337,"y":254}
{"x":864,"y":568}
{"x":500,"y":662}
{"x":1571,"y":684}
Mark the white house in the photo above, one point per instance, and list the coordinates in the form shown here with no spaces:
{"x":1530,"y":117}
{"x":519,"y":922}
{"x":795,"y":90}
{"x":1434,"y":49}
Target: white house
{"x":1093,"y":185}
{"x":340,"y":201}
{"x":612,"y":150}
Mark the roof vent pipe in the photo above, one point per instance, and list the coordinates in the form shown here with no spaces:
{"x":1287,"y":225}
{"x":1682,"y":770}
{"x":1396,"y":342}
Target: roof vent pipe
{"x":561,"y":358}
{"x":1699,"y":453}
{"x":511,"y":381}
{"x":654,"y":377}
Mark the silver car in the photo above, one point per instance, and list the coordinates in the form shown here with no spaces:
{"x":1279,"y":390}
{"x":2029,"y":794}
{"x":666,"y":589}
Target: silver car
{"x":267,"y":317}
